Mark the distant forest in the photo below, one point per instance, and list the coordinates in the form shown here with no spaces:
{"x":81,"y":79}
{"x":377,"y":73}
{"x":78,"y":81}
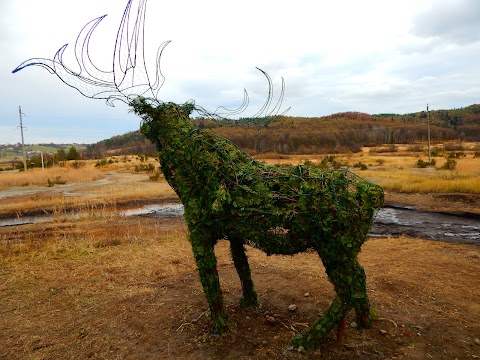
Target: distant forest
{"x":336,"y":133}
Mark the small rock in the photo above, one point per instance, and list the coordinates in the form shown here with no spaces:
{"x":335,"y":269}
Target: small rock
{"x":270,"y":320}
{"x":301,"y":349}
{"x":292,"y":307}
{"x":383,"y":332}
{"x":307,"y":294}
{"x":477,"y":341}
{"x":353,"y":324}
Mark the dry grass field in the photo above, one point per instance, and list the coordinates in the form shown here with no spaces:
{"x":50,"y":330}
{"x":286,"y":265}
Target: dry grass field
{"x":112,"y":287}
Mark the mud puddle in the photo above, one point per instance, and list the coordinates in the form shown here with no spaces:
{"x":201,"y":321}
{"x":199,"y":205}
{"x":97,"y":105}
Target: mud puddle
{"x":396,"y":220}
{"x":164,"y":211}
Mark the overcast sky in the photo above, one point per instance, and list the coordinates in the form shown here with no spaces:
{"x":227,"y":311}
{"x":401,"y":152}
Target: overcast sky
{"x":372,"y":56}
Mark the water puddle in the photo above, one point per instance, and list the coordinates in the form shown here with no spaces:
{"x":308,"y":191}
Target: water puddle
{"x":164,"y":211}
{"x":427,"y":225}
{"x":392,"y":221}
{"x":25,"y":220}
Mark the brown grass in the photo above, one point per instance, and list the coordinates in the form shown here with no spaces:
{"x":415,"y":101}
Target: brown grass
{"x":91,"y":196}
{"x":399,"y":173}
{"x":39,"y":177}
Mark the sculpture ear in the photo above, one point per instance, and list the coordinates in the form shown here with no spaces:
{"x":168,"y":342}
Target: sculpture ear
{"x":188,"y":107}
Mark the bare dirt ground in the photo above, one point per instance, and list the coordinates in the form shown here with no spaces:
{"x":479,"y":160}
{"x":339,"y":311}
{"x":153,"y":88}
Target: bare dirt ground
{"x":127,"y":288}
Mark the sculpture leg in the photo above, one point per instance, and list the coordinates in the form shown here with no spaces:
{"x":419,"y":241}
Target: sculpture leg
{"x":203,"y":250}
{"x":360,"y":299}
{"x":349,"y":281}
{"x":317,"y":332}
{"x":240,"y":260}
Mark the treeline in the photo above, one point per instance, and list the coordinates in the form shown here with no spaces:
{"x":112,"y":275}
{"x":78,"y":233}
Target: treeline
{"x":331,"y":134}
{"x":336,"y":133}
{"x":464,"y":121}
{"x":130,"y":143}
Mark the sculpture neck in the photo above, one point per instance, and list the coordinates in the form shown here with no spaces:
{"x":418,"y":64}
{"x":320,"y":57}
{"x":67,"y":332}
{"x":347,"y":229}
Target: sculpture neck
{"x":169,"y":127}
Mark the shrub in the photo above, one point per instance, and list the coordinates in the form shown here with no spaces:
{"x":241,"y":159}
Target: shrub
{"x":156,"y":175}
{"x":423,"y":164}
{"x":361,"y":166}
{"x":78,"y":164}
{"x":456,"y":155}
{"x":58,"y":180}
{"x":436,"y":151}
{"x":450,"y":164}
{"x":100,"y":163}
{"x":145,"y":167}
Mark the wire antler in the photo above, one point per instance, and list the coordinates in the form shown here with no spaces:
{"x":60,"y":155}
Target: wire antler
{"x":129,"y":77}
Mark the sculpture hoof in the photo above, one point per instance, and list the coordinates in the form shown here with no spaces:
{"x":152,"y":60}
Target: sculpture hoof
{"x":220,"y":325}
{"x":251,"y":300}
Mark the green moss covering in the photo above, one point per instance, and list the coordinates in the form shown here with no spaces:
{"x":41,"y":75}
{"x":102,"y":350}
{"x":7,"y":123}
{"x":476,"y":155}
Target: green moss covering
{"x":278,"y":209}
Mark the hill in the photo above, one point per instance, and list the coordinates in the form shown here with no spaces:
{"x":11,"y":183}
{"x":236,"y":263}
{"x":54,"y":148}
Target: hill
{"x":341,"y":132}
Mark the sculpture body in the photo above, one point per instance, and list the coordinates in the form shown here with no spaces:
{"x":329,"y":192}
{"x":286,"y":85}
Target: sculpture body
{"x":278,"y":209}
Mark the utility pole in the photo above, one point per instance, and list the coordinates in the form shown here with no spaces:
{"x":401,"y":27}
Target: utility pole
{"x":428,"y":130}
{"x":43,"y":165}
{"x":23,"y":143}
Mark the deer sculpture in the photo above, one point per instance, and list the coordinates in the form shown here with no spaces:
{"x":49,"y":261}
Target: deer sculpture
{"x":228,"y":195}
{"x":278,"y":209}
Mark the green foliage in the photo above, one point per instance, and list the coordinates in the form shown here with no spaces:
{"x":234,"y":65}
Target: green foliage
{"x":278,"y":209}
{"x":73,"y":154}
{"x":57,"y":181}
{"x":456,"y":155}
{"x":78,"y":164}
{"x":102,"y":162}
{"x":361,"y":166}
{"x":423,"y":164}
{"x":450,"y":164}
{"x":328,"y":162}
{"x":437,"y":151}
{"x":156,"y":175}
{"x":145,"y":167}
{"x":61,"y":155}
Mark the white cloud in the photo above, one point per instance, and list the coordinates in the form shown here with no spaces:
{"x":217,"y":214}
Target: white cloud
{"x":451,"y":22}
{"x":372,"y":56}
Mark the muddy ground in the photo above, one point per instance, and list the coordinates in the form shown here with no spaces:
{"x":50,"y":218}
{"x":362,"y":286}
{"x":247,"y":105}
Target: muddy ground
{"x":127,"y":288}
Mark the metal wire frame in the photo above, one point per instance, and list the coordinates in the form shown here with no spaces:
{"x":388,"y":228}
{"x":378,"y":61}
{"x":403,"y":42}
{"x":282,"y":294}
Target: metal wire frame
{"x":129,"y":77}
